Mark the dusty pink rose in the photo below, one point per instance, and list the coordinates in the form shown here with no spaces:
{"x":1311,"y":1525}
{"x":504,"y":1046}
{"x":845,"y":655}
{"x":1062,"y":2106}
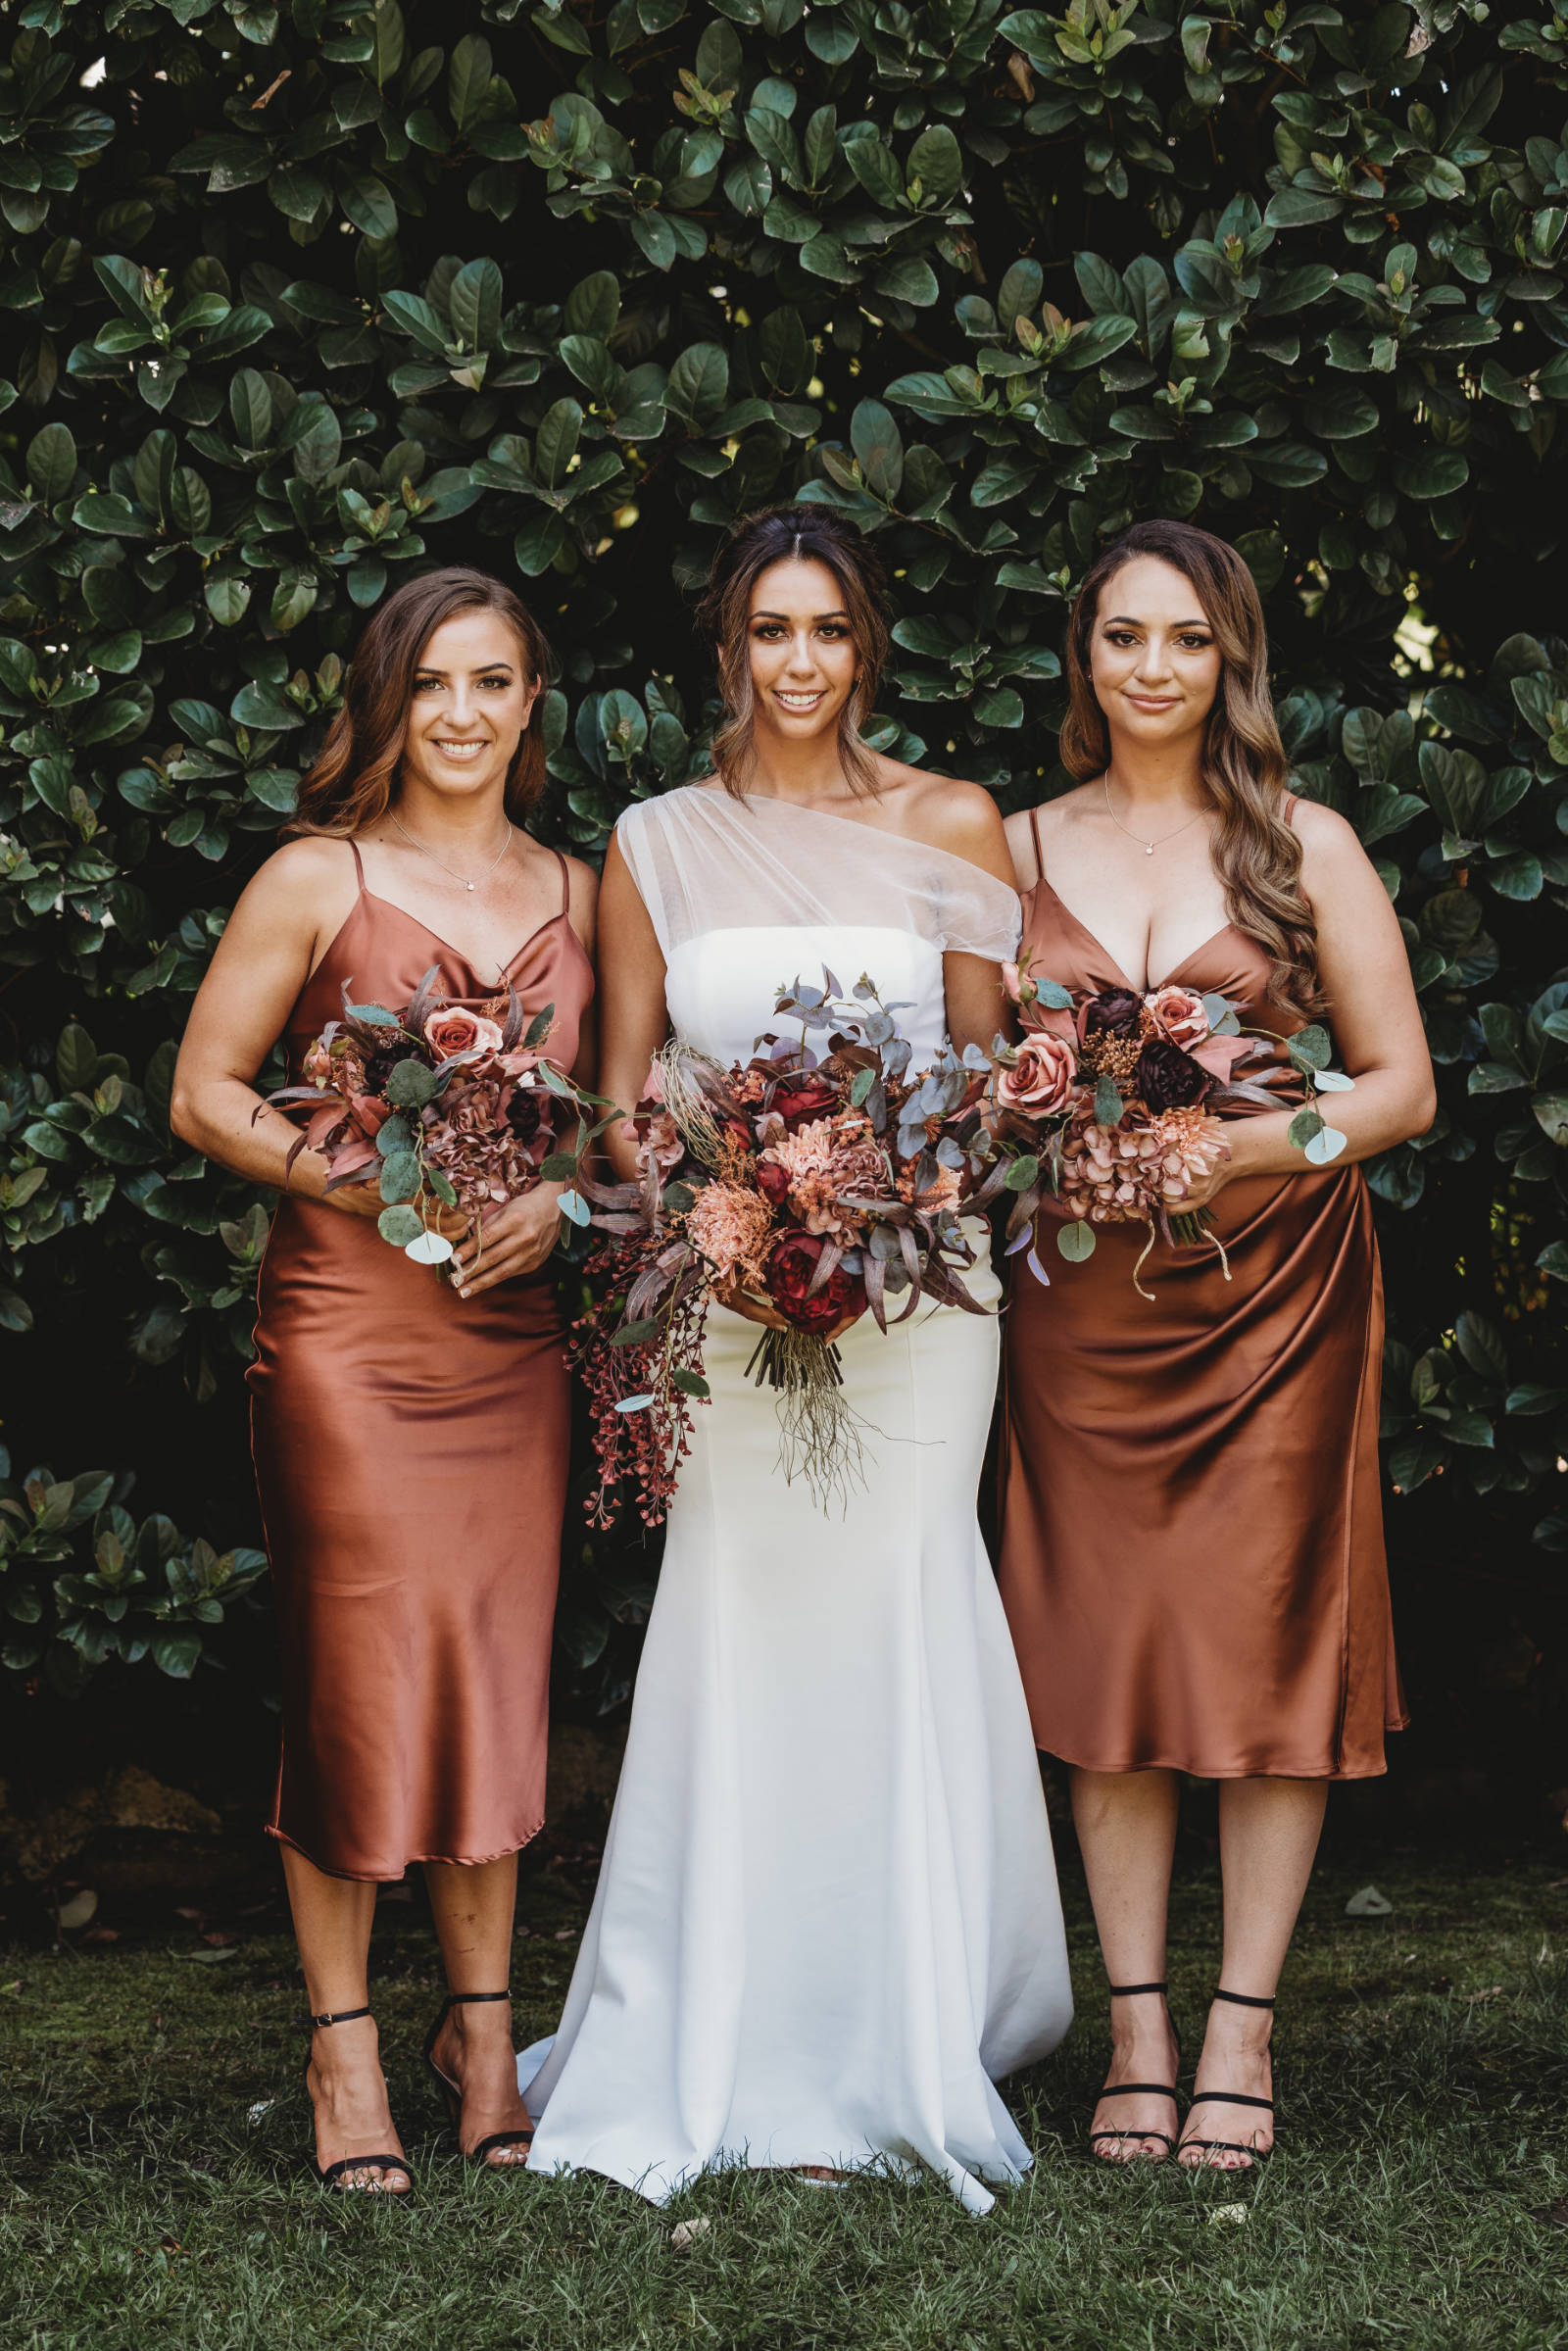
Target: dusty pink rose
{"x":1179,"y":1016}
{"x":454,"y":1031}
{"x":1041,"y":1079}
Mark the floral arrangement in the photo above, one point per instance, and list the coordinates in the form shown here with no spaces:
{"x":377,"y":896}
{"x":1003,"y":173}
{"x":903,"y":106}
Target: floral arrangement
{"x":1115,"y":1094}
{"x":822,"y":1186}
{"x":441,"y":1106}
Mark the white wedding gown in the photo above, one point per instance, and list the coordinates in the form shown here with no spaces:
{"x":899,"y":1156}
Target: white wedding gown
{"x":827,"y":1914}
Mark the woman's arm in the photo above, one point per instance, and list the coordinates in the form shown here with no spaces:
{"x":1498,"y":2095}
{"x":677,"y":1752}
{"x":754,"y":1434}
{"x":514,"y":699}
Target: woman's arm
{"x":1366,"y":977}
{"x":515,"y":1238}
{"x":262,"y":962}
{"x":971,"y":828}
{"x":634,"y":1021}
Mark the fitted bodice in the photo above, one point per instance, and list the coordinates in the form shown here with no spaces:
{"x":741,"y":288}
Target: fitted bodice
{"x":382,"y":952}
{"x":1058,"y":946}
{"x":721,"y":986}
{"x":749,"y":895}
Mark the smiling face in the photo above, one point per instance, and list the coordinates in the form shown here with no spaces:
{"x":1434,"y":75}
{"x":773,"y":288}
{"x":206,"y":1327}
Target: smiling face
{"x":1153,"y":661}
{"x":803,"y":656}
{"x":470,"y":700}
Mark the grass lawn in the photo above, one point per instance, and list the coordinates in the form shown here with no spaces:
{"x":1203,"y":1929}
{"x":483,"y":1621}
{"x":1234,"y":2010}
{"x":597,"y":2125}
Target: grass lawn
{"x":151,"y":2120}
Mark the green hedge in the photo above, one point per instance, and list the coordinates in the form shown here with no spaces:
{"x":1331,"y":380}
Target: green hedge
{"x":305,"y":293}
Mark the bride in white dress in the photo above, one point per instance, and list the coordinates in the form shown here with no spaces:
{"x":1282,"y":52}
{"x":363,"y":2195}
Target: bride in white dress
{"x":827,"y":1917}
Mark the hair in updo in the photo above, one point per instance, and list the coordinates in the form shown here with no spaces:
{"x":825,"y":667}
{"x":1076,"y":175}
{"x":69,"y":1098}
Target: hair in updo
{"x":1256,"y":851}
{"x":353,"y":780}
{"x":780,"y":534}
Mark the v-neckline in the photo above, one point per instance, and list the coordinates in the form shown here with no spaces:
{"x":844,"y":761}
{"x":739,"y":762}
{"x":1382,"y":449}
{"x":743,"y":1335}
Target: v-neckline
{"x":392,"y":907}
{"x":1151,"y":987}
{"x":560,"y":915}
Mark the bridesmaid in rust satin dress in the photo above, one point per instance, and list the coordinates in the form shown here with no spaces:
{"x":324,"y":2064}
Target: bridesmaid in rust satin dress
{"x":1192,"y":1558}
{"x":410,"y":1431}
{"x":391,"y":1419}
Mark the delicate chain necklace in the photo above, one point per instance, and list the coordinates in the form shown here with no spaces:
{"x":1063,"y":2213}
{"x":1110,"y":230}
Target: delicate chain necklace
{"x":413,"y":843}
{"x":1148,"y":847}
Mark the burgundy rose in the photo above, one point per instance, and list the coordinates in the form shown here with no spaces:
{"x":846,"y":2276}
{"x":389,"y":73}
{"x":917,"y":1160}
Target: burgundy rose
{"x":525,"y":1112}
{"x":792,"y":1264}
{"x":1116,"y":1011}
{"x":772,"y":1181}
{"x":1167,"y":1079}
{"x":796,"y":1105}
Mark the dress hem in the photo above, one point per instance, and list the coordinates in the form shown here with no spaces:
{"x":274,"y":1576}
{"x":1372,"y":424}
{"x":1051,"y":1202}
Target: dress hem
{"x":462,"y":1861}
{"x":1231,"y":1771}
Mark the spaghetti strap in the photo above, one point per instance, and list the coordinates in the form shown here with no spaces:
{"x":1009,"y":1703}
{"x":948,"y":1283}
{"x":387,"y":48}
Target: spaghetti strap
{"x":358,"y":868}
{"x":1033,"y":835}
{"x":565,"y":884}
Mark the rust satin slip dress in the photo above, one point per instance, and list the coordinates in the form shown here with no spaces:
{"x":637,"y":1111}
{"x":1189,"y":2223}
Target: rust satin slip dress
{"x":1192,"y":1558}
{"x":411,"y":1460}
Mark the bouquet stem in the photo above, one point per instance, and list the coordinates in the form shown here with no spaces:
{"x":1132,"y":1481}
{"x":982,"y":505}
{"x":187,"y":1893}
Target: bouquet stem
{"x":819,"y":1431}
{"x":1197,"y":1226}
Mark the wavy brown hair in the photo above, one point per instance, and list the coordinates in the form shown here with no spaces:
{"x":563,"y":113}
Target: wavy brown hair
{"x":776,"y":535}
{"x":353,"y":780}
{"x":1257,"y":852}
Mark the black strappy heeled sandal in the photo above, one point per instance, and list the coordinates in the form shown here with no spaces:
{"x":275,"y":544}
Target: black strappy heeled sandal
{"x":1230,"y":2098}
{"x":332,"y":2175}
{"x":1149,"y":2089}
{"x":454,"y":2095}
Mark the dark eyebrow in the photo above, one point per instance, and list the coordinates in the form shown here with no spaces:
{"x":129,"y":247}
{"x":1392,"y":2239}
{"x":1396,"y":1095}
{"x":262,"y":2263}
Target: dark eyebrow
{"x":485,"y":669}
{"x":1125,"y":620}
{"x":838,"y":613}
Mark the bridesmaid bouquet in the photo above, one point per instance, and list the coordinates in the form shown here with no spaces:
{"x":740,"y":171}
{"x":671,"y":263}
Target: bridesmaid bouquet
{"x":822,"y":1186}
{"x":440,"y":1105}
{"x":1117,"y":1101}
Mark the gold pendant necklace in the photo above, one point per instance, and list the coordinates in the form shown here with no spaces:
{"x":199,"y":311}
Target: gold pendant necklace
{"x":1148,"y":847}
{"x":415,"y":843}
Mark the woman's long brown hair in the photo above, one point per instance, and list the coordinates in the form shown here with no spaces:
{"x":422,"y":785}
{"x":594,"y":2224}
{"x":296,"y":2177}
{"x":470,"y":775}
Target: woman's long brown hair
{"x":1256,"y":853}
{"x":353,"y":780}
{"x":776,"y":535}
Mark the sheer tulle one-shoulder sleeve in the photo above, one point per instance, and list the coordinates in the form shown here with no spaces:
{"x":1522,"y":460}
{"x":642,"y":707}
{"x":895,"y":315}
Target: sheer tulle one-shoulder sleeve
{"x":704,"y":861}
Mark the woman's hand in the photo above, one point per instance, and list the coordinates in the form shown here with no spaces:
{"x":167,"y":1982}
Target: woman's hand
{"x":746,"y":1302}
{"x":1207,"y":1189}
{"x":512,"y":1240}
{"x":752,"y":1308}
{"x":364,"y":1199}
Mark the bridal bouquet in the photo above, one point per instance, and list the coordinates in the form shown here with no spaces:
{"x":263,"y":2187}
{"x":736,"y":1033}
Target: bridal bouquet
{"x":823,"y":1185}
{"x":1117,"y":1095}
{"x":440,"y":1107}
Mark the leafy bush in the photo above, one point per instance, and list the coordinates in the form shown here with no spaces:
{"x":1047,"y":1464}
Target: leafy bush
{"x":115,"y":1590}
{"x":303,"y":293}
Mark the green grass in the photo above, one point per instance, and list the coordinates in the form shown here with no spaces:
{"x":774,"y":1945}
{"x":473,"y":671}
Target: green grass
{"x":1421,"y":2070}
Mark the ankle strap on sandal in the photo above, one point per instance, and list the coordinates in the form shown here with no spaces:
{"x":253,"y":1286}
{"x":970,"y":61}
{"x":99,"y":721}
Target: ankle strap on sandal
{"x":343,"y":2016}
{"x":1125,"y":1991}
{"x":459,"y":1999}
{"x":1244,"y":1999}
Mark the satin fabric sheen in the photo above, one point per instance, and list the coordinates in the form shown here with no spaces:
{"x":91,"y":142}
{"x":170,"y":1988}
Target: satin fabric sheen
{"x":411,"y":1460}
{"x":1193,"y":1561}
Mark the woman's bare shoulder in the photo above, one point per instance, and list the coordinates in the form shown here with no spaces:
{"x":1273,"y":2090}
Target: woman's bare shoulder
{"x":943,"y":810}
{"x":302,"y":875}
